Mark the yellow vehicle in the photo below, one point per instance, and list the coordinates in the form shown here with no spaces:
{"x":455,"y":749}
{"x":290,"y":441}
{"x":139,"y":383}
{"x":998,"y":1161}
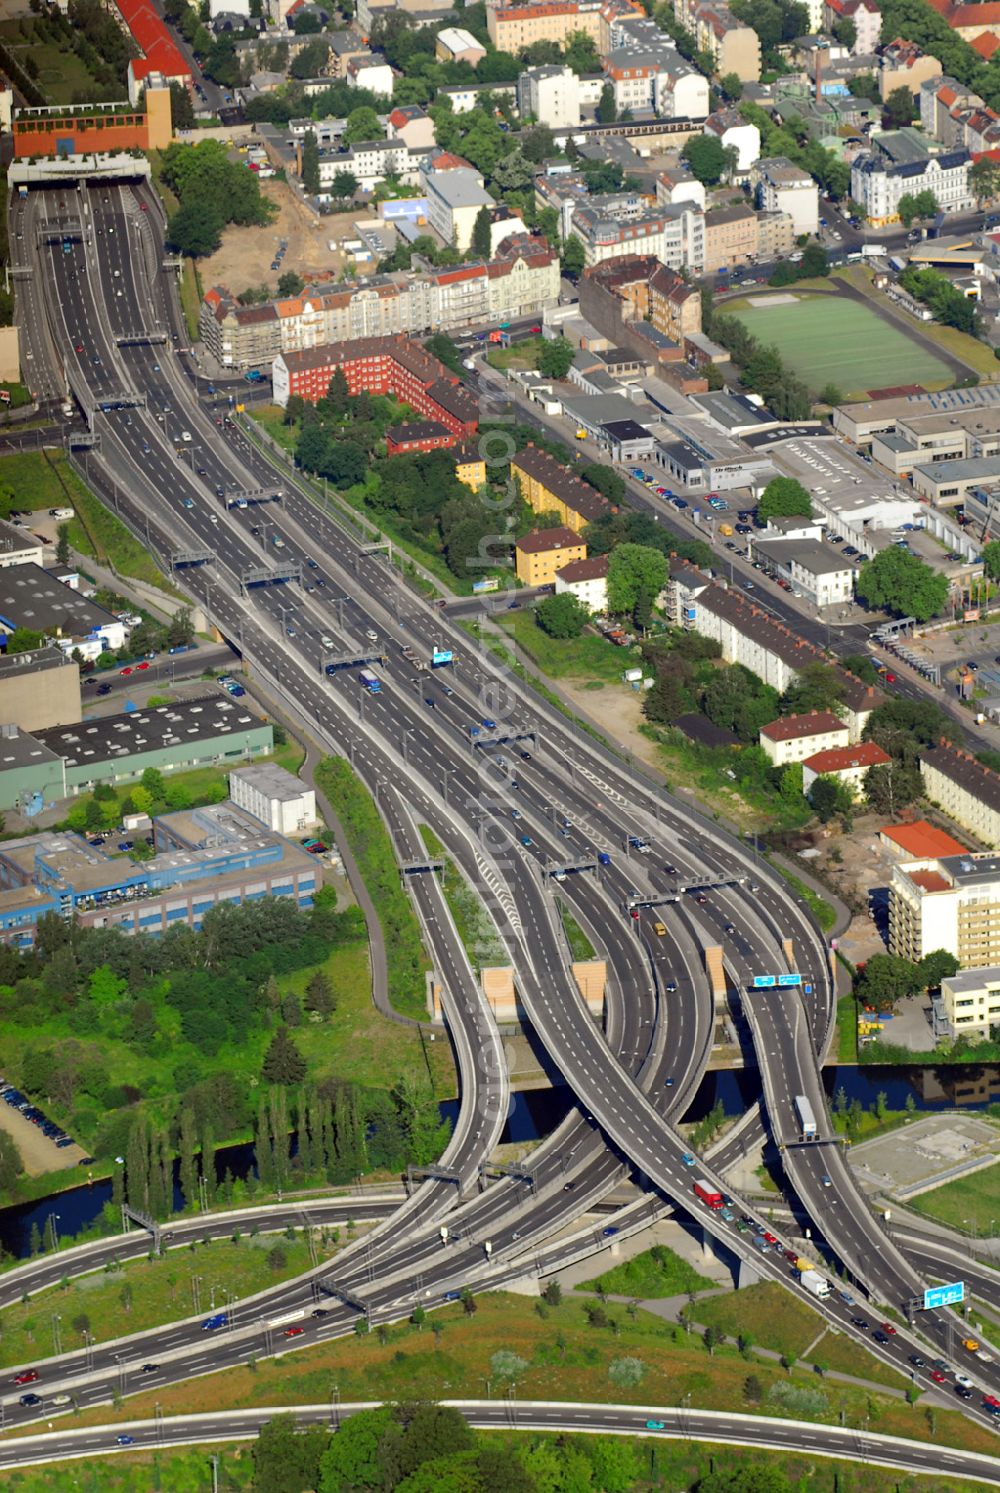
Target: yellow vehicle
{"x":581,"y":435}
{"x":971,"y":1344}
{"x":726,"y":530}
{"x":660,"y":930}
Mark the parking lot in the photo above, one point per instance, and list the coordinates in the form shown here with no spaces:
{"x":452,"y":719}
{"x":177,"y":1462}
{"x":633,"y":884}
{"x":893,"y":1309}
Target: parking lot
{"x":43,"y":1145}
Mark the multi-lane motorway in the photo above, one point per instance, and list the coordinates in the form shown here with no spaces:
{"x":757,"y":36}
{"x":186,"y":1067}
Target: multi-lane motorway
{"x":524,"y":795}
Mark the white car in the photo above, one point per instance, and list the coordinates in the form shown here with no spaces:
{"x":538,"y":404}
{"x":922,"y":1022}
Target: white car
{"x":963,"y":1380}
{"x":371,"y":635}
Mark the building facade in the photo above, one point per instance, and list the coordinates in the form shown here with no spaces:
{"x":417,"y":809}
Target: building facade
{"x":281,"y":801}
{"x":971,"y":1002}
{"x":964,"y":789}
{"x":783,"y":187}
{"x":952,"y":903}
{"x":793,"y":738}
{"x":900,"y":165}
{"x":538,"y":556}
{"x":549,"y":487}
{"x":551,"y":95}
{"x":587,"y":580}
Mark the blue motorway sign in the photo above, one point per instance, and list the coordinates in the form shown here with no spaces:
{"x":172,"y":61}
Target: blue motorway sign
{"x":944,"y":1295}
{"x":440,"y":657}
{"x":766,"y":982}
{"x":760,"y":981}
{"x":789,"y":979}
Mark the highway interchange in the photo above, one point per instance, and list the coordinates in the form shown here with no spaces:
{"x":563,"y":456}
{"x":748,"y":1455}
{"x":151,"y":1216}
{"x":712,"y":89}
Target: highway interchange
{"x":102,"y":299}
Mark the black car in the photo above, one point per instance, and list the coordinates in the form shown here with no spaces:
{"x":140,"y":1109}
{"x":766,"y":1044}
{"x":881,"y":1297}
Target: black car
{"x":917,"y":1361}
{"x":881,"y":1337}
{"x":320,"y":1312}
{"x":30,"y":1399}
{"x":104,"y":689}
{"x":150,"y":1368}
{"x":860,"y":1323}
{"x":963,"y":1392}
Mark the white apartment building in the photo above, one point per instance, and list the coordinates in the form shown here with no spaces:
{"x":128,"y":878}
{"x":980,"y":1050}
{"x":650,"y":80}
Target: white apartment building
{"x":454,"y":201}
{"x":729,"y":128}
{"x":971,"y":1001}
{"x":952,"y":903}
{"x":675,"y":235}
{"x":965,"y":789}
{"x":783,"y":187}
{"x":551,"y":95}
{"x":900,"y":165}
{"x":793,"y":738}
{"x":587,"y":580}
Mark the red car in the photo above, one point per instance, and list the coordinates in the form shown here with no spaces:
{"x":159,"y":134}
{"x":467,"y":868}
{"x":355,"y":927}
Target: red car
{"x":635,"y":913}
{"x":127,"y":670}
{"x":29,"y":1376}
{"x":79,"y":347}
{"x":294,"y":1331}
{"x":143,"y":665}
{"x":770,"y":1239}
{"x":938,"y":1377}
{"x":890,"y":678}
{"x":143,"y":208}
{"x":888,"y":1327}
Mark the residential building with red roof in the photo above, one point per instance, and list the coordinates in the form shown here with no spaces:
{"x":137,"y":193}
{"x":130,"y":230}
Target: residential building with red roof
{"x":969,"y":21}
{"x":160,"y":55}
{"x":793,"y":738}
{"x":919,"y":840}
{"x":380,"y":365}
{"x":848,"y":764}
{"x":538,"y":556}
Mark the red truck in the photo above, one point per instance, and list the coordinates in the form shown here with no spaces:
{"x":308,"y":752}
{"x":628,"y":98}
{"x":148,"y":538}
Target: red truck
{"x":707,"y":1193}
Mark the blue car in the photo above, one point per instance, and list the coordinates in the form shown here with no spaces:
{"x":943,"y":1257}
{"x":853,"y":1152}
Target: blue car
{"x":603,"y":858}
{"x":526,"y":840}
{"x":688,"y":1159}
{"x":488,"y":724}
{"x":211,"y":1324}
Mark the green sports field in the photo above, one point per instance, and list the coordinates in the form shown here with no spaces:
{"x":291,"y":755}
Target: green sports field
{"x":827,"y":339}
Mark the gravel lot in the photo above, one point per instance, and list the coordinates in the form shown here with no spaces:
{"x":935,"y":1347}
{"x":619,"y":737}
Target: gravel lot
{"x":38,"y":1153}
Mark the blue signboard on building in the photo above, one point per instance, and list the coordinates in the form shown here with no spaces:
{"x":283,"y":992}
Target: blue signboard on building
{"x":944,"y":1295}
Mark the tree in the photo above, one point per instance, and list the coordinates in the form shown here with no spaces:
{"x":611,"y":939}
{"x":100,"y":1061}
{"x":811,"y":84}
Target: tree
{"x":180,"y":629}
{"x":344,"y":183}
{"x":573,"y":257}
{"x":637,"y":574}
{"x":362,"y":124}
{"x":319,"y":995}
{"x":937,"y":966}
{"x":562,"y":616}
{"x":902,"y":585}
{"x":920,"y":205}
{"x":555,"y":357}
{"x":898,"y":110}
{"x":195,"y":229}
{"x":286,"y":1458}
{"x":784,"y":497}
{"x":830,"y":797}
{"x":310,"y":163}
{"x":481,"y":240}
{"x":181,"y":107}
{"x":706,"y":157}
{"x":731,"y":84}
{"x":817,"y":686}
{"x":291,"y":283}
{"x":991,"y":559}
{"x":311,"y":62}
{"x":830,"y":394}
{"x":886,"y":979}
{"x":24,"y":639}
{"x":352,"y":1459}
{"x":283,"y":1063}
{"x":984,"y":179}
{"x":607,"y":109}
{"x":755,"y":1478}
{"x":890,"y":788}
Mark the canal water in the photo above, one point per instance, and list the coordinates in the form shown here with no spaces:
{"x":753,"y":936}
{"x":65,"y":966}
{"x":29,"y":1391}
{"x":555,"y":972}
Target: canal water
{"x":534,"y":1113}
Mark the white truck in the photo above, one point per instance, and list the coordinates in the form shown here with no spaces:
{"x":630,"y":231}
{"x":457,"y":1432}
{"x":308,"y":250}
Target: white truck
{"x":807,"y":1120}
{"x":815,"y":1284}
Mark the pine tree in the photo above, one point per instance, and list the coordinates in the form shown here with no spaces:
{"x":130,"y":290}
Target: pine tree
{"x":305,"y":1146}
{"x":283,"y":1063}
{"x":188,"y":1168}
{"x":35,"y":1240}
{"x":279,"y":1134}
{"x":319,"y":995}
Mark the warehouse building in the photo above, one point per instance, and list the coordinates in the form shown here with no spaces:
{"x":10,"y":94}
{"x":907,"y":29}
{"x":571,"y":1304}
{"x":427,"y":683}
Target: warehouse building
{"x":31,"y":597}
{"x":39,"y":688}
{"x":60,"y":761}
{"x":275,"y":796}
{"x":203,"y":857}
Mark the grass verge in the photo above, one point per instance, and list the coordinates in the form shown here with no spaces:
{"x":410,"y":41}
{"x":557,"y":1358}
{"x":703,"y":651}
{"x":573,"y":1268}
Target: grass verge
{"x":580,"y":945}
{"x":479,"y":938}
{"x":847,"y":1029}
{"x":149,"y":1293}
{"x":369,"y":839}
{"x":566,"y":1357}
{"x":190,"y":293}
{"x":821,"y":911}
{"x":651,"y":1276}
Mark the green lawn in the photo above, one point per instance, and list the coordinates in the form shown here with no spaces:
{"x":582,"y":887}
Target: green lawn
{"x":847,"y":1029}
{"x":370,"y":841}
{"x":970,"y":1203}
{"x":522,"y":354}
{"x":190,"y":292}
{"x":61,"y":73}
{"x":587,"y":657}
{"x":821,"y":911}
{"x":147,"y":1293}
{"x":767,"y":1313}
{"x":39,"y":479}
{"x":826,"y":339}
{"x":654,"y":1274}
